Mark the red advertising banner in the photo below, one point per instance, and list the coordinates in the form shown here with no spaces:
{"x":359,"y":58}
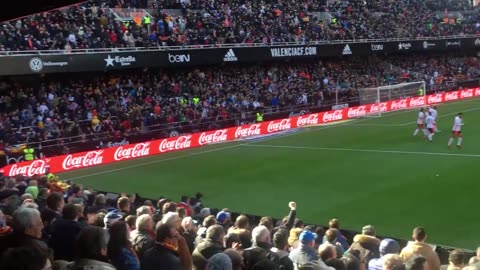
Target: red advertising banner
{"x":115,"y":154}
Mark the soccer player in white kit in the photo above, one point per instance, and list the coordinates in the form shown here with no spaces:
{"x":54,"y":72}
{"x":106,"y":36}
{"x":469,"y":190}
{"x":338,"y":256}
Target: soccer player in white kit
{"x":420,"y":123}
{"x":457,"y":131}
{"x":430,"y":126}
{"x":434,"y":112}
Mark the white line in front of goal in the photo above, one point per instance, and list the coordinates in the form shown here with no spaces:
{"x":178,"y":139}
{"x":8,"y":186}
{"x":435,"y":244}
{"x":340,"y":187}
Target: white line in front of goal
{"x":362,"y":150}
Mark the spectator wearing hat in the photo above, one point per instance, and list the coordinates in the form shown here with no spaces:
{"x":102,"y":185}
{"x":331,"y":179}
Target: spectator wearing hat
{"x":367,"y":244}
{"x":223,"y":219}
{"x":219,"y":261}
{"x":27,"y":228}
{"x":387,"y":246}
{"x":419,"y":247}
{"x":165,"y":252}
{"x":65,"y":232}
{"x":112,"y":217}
{"x":260,"y":249}
{"x":143,"y":236}
{"x":211,"y":245}
{"x":456,"y":260}
{"x":305,"y":252}
{"x":280,"y":248}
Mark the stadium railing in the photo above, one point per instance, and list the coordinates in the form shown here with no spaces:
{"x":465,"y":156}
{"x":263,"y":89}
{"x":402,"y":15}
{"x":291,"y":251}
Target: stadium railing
{"x":227,"y":46}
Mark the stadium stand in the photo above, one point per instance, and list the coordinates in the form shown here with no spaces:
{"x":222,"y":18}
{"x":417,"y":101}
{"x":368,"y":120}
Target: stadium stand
{"x":100,"y":24}
{"x":82,"y":107}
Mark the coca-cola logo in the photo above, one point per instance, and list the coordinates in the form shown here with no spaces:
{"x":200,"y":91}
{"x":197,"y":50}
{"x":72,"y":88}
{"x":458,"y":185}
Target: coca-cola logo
{"x":182,"y":142}
{"x":278,"y":126}
{"x":477,"y":92}
{"x":451,"y":96}
{"x":35,"y":167}
{"x":88,"y":159}
{"x":247,"y":131}
{"x":437,"y":98}
{"x":399,"y":104}
{"x":215,"y":137}
{"x":302,"y":112}
{"x":332,"y":116}
{"x":379,"y":107}
{"x":357,"y":112}
{"x":466,"y":93}
{"x":417,"y":101}
{"x":138,"y":150}
{"x":311,"y":119}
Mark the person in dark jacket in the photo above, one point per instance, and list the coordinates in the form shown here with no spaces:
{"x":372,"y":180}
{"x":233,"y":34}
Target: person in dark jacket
{"x":64,"y":233}
{"x":288,"y":221}
{"x":52,"y":213}
{"x":260,"y":249}
{"x":211,"y":245}
{"x":367,"y":244}
{"x":164,"y":254}
{"x":143,"y":237}
{"x":27,"y":228}
{"x":280,"y":243}
{"x":189,"y":232}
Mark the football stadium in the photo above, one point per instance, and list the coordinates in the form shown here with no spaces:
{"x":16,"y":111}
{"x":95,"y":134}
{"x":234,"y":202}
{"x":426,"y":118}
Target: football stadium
{"x":240,"y":135}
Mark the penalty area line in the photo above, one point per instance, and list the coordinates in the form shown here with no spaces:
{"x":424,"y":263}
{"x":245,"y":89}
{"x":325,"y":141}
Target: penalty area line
{"x":362,"y":150}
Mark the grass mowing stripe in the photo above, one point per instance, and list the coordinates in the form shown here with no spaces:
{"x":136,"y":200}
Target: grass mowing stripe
{"x":363,"y":150}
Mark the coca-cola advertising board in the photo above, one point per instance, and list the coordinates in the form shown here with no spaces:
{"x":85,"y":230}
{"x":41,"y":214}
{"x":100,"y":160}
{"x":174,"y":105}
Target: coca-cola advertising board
{"x":87,"y":159}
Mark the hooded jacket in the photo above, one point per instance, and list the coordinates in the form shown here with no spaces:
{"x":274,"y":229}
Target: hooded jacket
{"x":367,"y":246}
{"x":419,"y":248}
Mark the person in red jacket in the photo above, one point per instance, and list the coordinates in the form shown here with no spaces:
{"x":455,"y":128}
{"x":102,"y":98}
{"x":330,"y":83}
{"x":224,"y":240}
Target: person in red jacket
{"x":185,"y":203}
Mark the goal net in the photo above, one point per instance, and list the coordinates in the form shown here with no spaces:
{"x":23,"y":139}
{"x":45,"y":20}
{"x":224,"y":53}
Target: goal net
{"x":390,"y":92}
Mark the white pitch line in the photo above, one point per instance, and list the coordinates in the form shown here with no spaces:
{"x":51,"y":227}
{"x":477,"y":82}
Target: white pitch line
{"x":363,"y":150}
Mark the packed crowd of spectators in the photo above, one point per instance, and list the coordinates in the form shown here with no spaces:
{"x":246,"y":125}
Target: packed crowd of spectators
{"x":129,"y":102}
{"x":46,"y":227}
{"x":200,"y":22}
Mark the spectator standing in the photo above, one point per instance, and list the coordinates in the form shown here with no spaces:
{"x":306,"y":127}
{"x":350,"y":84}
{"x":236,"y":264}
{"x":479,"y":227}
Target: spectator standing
{"x":240,"y":228}
{"x":28,"y":257}
{"x":419,"y":247}
{"x":90,"y":251}
{"x":305,"y":252}
{"x":183,"y":251}
{"x":456,"y":260}
{"x":211,"y":245}
{"x":367,"y":244}
{"x":27,"y":228}
{"x":52,"y":212}
{"x":65,"y":232}
{"x":143,"y":237}
{"x":393,"y":262}
{"x":189,"y":232}
{"x":280,"y":248}
{"x":417,"y":262}
{"x":119,"y":248}
{"x":387,"y":246}
{"x":260,"y":249}
{"x":164,"y":255}
{"x":219,"y":261}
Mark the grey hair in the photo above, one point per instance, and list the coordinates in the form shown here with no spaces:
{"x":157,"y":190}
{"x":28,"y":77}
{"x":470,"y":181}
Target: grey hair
{"x":100,"y":199}
{"x":260,"y":234}
{"x":143,"y":210}
{"x":170,"y":217}
{"x":141,"y":221}
{"x":24,"y":218}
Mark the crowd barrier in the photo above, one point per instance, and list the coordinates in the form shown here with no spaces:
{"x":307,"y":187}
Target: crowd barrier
{"x":162,"y":57}
{"x":63,"y":163}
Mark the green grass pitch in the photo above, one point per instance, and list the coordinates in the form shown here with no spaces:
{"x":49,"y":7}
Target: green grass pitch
{"x":367,"y":171}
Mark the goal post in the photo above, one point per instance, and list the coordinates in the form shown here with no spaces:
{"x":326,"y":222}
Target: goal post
{"x":375,"y":95}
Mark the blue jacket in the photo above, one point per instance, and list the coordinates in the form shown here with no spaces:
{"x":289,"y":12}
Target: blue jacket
{"x":126,"y":261}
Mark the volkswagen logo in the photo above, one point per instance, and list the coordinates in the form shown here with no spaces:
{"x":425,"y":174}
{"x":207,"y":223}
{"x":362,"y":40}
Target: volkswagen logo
{"x":36,"y":64}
